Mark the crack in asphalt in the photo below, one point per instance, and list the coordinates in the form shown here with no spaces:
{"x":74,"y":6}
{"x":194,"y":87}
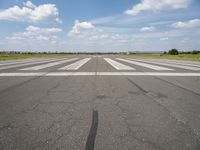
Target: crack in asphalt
{"x":130,"y":132}
{"x":148,"y":94}
{"x":173,"y":84}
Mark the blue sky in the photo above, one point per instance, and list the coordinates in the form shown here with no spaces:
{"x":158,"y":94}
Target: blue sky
{"x":99,"y":25}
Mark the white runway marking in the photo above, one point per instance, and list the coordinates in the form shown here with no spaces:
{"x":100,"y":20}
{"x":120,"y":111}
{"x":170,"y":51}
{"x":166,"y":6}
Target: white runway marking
{"x":76,"y":65}
{"x":39,"y":67}
{"x":32,"y":74}
{"x":154,"y":67}
{"x":181,"y":61}
{"x":177,"y":62}
{"x":16,"y":62}
{"x":6,"y":63}
{"x":26,"y":64}
{"x":117,"y":65}
{"x":167,"y":64}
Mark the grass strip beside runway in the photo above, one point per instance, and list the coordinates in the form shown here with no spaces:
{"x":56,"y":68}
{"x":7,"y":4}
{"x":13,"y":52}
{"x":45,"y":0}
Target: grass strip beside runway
{"x":190,"y":57}
{"x":25,"y":56}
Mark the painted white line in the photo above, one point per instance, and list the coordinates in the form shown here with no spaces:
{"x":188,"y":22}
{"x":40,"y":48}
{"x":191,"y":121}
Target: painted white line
{"x":71,"y":74}
{"x":25,"y":61}
{"x":154,"y":67}
{"x":39,"y":67}
{"x":15,"y":62}
{"x":25,"y":64}
{"x":181,"y":61}
{"x":146,"y":74}
{"x":76,"y":65}
{"x":117,"y":65}
{"x":167,"y":64}
{"x":31,"y":74}
{"x":177,"y":62}
{"x":55,"y":74}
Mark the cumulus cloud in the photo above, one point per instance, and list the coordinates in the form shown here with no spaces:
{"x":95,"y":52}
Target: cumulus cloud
{"x":86,"y":30}
{"x":35,"y":33}
{"x":80,"y":27}
{"x":29,"y":4}
{"x":187,"y":24}
{"x":89,"y":32}
{"x":31,"y":13}
{"x":147,"y":29}
{"x":157,"y":5}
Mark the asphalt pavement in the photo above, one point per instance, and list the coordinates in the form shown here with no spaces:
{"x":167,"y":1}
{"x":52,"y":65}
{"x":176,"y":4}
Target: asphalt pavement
{"x":100,"y":102}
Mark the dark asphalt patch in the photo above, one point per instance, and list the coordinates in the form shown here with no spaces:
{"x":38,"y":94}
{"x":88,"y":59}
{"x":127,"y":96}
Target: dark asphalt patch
{"x":93,"y":131}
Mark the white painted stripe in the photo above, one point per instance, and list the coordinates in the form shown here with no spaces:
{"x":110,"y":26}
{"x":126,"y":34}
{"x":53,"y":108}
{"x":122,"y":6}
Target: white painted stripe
{"x":31,"y":74}
{"x":181,"y":61}
{"x":100,"y":74}
{"x":39,"y":67}
{"x":16,"y":62}
{"x":167,"y":64}
{"x":177,"y":62}
{"x":26,"y":61}
{"x":25,"y":64}
{"x":76,"y":65}
{"x":154,"y":67}
{"x":71,"y":74}
{"x":117,"y":65}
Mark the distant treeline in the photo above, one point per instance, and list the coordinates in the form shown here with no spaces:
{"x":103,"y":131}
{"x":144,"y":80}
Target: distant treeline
{"x":75,"y":53}
{"x":170,"y":52}
{"x":176,"y":52}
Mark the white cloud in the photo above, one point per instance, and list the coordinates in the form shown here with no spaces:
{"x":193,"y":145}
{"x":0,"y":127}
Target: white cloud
{"x":90,"y":33}
{"x":29,"y":4}
{"x":164,"y":38}
{"x":80,"y":27}
{"x":157,"y":5}
{"x":187,"y":24}
{"x":31,"y":13}
{"x":86,"y":30}
{"x":35,"y":33}
{"x":147,"y":29}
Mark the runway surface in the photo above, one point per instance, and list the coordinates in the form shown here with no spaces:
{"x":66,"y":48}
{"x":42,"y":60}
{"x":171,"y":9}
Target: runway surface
{"x":100,"y":102}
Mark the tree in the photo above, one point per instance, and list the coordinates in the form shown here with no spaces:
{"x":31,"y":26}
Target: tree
{"x":165,"y":53}
{"x":195,"y":52}
{"x":173,"y":52}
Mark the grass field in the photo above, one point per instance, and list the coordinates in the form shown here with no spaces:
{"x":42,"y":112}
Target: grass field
{"x":24,"y":56}
{"x":191,"y":57}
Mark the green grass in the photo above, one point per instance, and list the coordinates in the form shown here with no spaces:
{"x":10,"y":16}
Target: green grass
{"x":191,"y":57}
{"x":25,"y":56}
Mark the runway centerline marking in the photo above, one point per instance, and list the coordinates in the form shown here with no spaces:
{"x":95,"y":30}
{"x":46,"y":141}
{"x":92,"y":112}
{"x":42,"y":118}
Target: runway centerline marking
{"x":154,"y":67}
{"x":39,"y":67}
{"x":76,"y":65}
{"x":117,"y":65}
{"x":60,"y":74}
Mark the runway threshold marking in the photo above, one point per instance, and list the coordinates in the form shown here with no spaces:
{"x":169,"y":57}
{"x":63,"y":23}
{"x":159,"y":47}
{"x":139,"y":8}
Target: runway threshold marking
{"x":39,"y":67}
{"x":117,"y":65}
{"x":167,"y":64}
{"x":60,"y":74}
{"x":154,"y":67}
{"x":177,"y":62}
{"x":93,"y":131}
{"x":26,"y":64}
{"x":18,"y":62}
{"x":76,"y":65}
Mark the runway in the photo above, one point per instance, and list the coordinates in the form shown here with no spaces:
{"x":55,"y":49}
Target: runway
{"x":117,"y":102}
